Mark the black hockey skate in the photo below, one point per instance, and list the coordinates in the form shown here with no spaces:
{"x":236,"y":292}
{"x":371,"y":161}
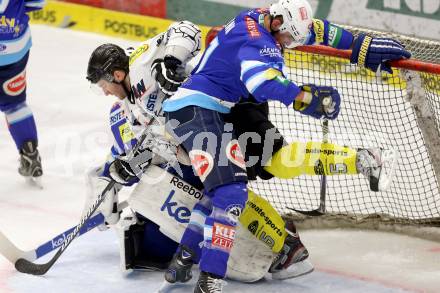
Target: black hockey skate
{"x":291,"y":261}
{"x":209,"y":283}
{"x":30,"y":161}
{"x":378,"y":166}
{"x":180,"y":266}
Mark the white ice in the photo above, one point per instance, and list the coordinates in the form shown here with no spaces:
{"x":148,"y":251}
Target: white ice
{"x":73,"y":137}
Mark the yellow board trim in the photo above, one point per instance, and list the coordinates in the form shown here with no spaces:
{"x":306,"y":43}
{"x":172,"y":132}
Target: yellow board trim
{"x":102,"y":21}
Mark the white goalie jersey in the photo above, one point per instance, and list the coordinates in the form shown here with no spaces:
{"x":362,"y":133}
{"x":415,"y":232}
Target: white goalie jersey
{"x":182,"y":40}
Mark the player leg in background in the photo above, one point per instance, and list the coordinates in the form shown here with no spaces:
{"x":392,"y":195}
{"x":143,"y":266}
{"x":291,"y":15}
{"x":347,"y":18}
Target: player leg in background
{"x":316,"y":158}
{"x":278,"y":158}
{"x":19,"y":117}
{"x":216,"y":158}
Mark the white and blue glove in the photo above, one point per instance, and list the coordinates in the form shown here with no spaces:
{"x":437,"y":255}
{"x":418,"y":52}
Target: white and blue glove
{"x":319,"y":101}
{"x":374,"y":53}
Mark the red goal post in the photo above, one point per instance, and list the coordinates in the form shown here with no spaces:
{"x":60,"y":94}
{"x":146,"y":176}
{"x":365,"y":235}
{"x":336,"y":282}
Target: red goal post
{"x":409,"y":64}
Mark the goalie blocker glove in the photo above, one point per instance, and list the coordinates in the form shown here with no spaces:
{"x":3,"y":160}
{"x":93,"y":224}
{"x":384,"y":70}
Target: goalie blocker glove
{"x":319,"y":101}
{"x":166,"y":75}
{"x":374,"y":53}
{"x":125,"y":171}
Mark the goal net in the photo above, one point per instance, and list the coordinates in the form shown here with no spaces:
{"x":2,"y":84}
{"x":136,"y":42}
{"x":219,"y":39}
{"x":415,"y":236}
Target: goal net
{"x":400,"y":111}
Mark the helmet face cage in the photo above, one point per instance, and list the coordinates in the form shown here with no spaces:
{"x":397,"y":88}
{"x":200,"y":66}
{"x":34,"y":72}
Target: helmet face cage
{"x":104,"y":61}
{"x":297,"y":19}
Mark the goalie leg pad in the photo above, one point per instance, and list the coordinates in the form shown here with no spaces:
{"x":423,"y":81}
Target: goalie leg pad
{"x":143,"y":246}
{"x":264,"y":222}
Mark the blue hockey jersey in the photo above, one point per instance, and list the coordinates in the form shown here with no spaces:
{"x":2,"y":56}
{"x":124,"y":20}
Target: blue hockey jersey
{"x":245,"y":59}
{"x":15,"y":35}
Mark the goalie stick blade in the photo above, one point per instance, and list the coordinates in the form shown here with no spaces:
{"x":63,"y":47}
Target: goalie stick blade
{"x":312,"y":213}
{"x":24,"y":266}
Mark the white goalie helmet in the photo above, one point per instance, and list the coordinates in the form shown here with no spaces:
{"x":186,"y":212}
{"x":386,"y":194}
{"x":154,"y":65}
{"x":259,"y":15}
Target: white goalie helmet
{"x":297,"y":19}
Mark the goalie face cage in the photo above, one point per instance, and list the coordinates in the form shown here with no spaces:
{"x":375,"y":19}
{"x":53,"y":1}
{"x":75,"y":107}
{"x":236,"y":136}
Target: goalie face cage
{"x":399,"y":111}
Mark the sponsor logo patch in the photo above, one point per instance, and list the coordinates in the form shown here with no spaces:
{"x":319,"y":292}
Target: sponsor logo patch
{"x":222,"y":236}
{"x":271,"y":52}
{"x":319,"y":168}
{"x":234,"y":212}
{"x":15,"y":85}
{"x":202,"y":163}
{"x":180,"y":213}
{"x":234,"y":154}
{"x":126,"y":133}
{"x":117,"y":116}
{"x":334,"y":36}
{"x":189,"y":189}
{"x":318,"y":27}
{"x":139,"y":89}
{"x":138,"y":52}
{"x":303,"y":13}
{"x":253,"y":227}
{"x":151,"y":102}
{"x":252,"y":29}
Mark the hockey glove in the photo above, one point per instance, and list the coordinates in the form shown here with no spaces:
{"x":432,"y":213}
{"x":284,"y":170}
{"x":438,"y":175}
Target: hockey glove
{"x":125,"y":171}
{"x":166,"y":75}
{"x":374,"y":53}
{"x":97,"y":179}
{"x":319,"y":101}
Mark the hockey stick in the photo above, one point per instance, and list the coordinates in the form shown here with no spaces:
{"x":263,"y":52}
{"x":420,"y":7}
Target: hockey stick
{"x":25,"y":266}
{"x":12,"y":253}
{"x":323,"y":190}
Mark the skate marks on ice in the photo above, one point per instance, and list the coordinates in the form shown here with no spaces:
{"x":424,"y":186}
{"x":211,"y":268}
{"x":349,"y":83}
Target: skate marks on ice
{"x":92,"y":263}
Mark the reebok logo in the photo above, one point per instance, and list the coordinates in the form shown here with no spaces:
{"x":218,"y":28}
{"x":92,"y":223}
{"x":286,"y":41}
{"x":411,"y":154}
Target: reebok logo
{"x":189,"y":189}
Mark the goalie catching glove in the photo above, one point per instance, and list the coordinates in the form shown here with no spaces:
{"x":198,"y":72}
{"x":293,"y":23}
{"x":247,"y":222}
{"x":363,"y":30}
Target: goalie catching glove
{"x":124,"y":170}
{"x":319,"y":101}
{"x":374,"y":53}
{"x":166,"y":75}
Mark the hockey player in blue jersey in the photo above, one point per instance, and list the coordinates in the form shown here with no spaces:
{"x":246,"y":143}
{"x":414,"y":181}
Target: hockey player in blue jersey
{"x":244,"y":60}
{"x":128,"y":77}
{"x":15,"y":42}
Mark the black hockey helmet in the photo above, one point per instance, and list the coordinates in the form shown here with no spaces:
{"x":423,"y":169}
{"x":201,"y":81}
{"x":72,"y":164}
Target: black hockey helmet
{"x":104,"y":61}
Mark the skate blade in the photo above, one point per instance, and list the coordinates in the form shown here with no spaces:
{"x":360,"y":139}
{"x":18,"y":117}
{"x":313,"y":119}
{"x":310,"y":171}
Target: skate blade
{"x":294,"y":271}
{"x":389,"y":159}
{"x":167,"y":287}
{"x":35,"y":182}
